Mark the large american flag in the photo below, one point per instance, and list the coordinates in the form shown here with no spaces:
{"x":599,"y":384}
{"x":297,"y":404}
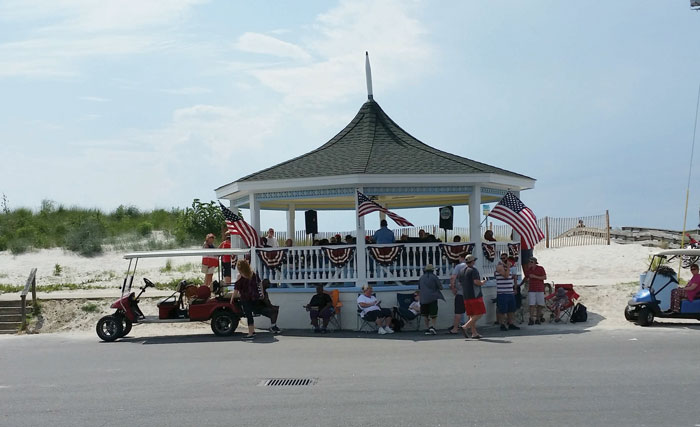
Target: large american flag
{"x":514,"y":213}
{"x":237,"y":225}
{"x":365,"y":206}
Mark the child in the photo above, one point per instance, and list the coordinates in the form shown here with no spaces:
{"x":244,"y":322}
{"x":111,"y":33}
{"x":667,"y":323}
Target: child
{"x":560,"y":300}
{"x":415,"y":305}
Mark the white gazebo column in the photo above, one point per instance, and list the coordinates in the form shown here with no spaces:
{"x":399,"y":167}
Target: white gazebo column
{"x":255,"y":222}
{"x":291,"y":217}
{"x":475,"y":225}
{"x":361,"y":266}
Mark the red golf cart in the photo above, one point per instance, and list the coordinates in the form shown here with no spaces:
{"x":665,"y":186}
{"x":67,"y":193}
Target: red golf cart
{"x":189,"y":303}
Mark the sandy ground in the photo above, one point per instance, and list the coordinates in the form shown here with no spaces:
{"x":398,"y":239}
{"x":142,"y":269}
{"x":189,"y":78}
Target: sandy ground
{"x":605,"y":277}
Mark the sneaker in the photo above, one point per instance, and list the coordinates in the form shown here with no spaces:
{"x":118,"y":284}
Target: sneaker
{"x":388,"y":330}
{"x":503,"y":328}
{"x":432,"y":331}
{"x":317,"y":330}
{"x":275,"y":330}
{"x":531,"y":322}
{"x":381,"y":331}
{"x":537,"y":322}
{"x":542,"y":320}
{"x":557,"y":320}
{"x":324,"y":331}
{"x":249,"y":337}
{"x":513,"y":327}
{"x":427,"y":332}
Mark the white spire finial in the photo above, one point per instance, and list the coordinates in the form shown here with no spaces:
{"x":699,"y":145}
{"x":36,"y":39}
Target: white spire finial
{"x":368,"y":71}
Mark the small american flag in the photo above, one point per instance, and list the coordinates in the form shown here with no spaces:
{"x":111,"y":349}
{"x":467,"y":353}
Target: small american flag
{"x":237,"y":225}
{"x":514,"y":213}
{"x":365,"y":206}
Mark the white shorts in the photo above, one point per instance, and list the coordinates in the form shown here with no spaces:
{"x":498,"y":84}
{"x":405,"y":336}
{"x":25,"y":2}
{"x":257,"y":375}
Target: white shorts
{"x":208,"y":270}
{"x":535,"y":298}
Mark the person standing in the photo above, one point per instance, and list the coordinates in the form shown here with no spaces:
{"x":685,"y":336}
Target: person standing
{"x":535,"y":276}
{"x":456,"y":288}
{"x":271,"y":239}
{"x":473,"y":299}
{"x":226,"y":260}
{"x":209,"y":263}
{"x":384,"y":235}
{"x":505,"y":294}
{"x":248,"y":290}
{"x":429,"y":287}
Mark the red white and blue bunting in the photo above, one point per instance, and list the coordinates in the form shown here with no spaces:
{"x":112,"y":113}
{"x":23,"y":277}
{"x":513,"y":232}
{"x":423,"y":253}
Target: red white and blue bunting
{"x":453,"y":252}
{"x":274,"y":258}
{"x":514,"y":250}
{"x":385,"y":255}
{"x":489,"y":251}
{"x":339,"y":256}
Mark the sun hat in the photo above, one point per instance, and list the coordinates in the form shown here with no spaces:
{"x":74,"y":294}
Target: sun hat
{"x":429,"y":267}
{"x":470,"y":258}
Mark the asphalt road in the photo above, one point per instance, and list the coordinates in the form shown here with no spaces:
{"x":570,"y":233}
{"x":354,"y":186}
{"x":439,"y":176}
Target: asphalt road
{"x":639,"y":377}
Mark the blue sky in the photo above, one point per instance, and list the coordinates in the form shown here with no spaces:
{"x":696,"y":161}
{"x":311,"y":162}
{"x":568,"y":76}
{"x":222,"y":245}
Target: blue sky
{"x":156,"y":103}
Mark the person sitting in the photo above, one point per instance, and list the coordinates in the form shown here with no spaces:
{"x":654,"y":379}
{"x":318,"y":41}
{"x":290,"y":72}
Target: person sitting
{"x":321,"y":305}
{"x":689,"y":291}
{"x":372,"y":312}
{"x":560,"y":301}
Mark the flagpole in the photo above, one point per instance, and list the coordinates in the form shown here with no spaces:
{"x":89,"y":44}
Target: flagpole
{"x":690,"y":170}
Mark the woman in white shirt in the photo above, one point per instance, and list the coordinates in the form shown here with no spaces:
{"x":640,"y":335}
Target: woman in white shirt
{"x":372,"y":312}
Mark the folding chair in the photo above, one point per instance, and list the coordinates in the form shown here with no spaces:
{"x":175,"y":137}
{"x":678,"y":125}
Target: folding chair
{"x":335,"y":321}
{"x":566,"y":310}
{"x":402,"y":311}
{"x":362,"y":324}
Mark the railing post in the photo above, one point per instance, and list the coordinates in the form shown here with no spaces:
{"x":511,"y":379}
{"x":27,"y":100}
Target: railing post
{"x":546,"y":227}
{"x":23,"y":312}
{"x":607,"y":225}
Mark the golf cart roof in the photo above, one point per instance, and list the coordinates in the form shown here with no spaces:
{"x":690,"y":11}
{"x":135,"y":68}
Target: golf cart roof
{"x":186,"y":252}
{"x":679,"y":252}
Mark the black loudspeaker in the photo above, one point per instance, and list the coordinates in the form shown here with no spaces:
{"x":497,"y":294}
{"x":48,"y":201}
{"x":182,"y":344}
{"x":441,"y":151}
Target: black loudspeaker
{"x":446,"y":215}
{"x":311,"y":222}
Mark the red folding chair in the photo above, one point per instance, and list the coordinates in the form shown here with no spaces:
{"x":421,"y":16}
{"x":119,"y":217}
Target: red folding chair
{"x":567,"y":308}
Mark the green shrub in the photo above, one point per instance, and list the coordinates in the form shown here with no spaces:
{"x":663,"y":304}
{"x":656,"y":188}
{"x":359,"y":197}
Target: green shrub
{"x":57,"y":270}
{"x":168,"y":266}
{"x":145,"y":229}
{"x":3,"y":244}
{"x":86,"y":237}
{"x":90,"y":307}
{"x":18,"y":246}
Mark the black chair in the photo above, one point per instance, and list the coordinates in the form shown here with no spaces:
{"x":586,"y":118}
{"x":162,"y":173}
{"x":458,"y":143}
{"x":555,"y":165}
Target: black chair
{"x":403,"y":301}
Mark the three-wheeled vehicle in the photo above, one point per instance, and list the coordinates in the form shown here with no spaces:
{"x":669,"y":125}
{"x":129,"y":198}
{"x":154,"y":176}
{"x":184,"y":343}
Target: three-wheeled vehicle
{"x":653,"y":299}
{"x":188,"y":303}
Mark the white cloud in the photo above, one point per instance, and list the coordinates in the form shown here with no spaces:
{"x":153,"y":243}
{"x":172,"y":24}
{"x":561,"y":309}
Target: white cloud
{"x":396,"y":42}
{"x":192,"y":90}
{"x":260,"y":43}
{"x":94,"y":99}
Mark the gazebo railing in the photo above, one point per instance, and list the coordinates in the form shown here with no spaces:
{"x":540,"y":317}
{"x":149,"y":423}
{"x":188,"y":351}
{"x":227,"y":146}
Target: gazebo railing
{"x":304,"y":266}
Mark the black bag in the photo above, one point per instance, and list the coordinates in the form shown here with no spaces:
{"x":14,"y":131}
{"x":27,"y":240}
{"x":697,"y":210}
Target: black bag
{"x":579,"y":314}
{"x":396,"y":322}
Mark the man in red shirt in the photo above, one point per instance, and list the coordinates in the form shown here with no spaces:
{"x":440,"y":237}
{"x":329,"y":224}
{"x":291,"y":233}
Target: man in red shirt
{"x":535,"y":276}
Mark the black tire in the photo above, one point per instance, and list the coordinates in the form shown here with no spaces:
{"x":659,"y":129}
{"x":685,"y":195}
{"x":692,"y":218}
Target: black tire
{"x":645,"y":317}
{"x":126,"y":327}
{"x":224,"y":323}
{"x":630,"y":316}
{"x":109,"y":328}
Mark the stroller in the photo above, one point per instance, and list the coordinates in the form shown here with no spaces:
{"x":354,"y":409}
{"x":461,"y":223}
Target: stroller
{"x":564,"y":298}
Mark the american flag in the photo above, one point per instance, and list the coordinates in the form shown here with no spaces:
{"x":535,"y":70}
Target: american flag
{"x":365,"y":206}
{"x":237,"y":225}
{"x":514,"y":213}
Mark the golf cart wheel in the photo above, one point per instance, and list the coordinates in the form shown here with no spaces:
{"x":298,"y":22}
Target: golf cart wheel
{"x":646,"y":316}
{"x":223,"y":323}
{"x":109,"y":328}
{"x":630,"y":316}
{"x":126,"y":327}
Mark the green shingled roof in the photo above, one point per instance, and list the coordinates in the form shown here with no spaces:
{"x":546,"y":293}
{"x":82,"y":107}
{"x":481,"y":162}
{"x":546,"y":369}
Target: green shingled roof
{"x":373,"y":144}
